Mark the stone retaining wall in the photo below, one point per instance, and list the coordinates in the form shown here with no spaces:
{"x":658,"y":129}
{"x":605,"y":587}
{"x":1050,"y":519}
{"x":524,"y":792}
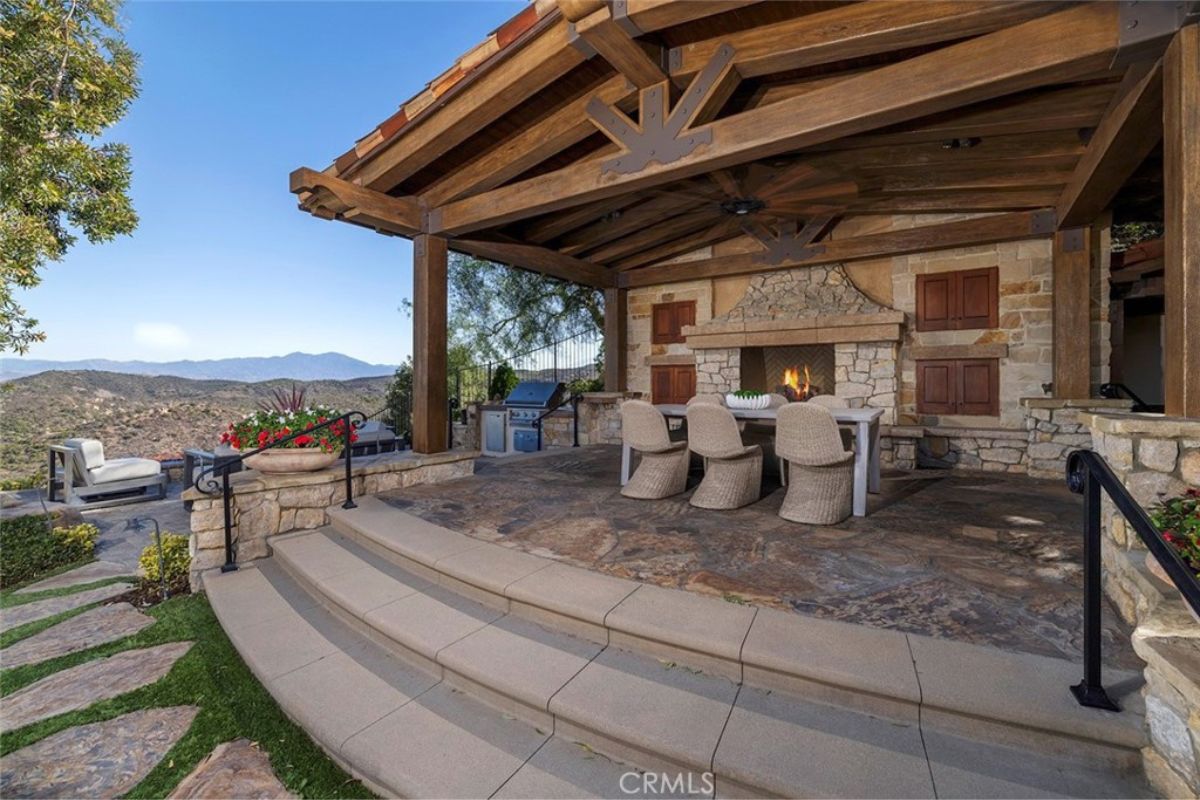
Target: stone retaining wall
{"x":599,"y":421}
{"x":267,"y":505}
{"x":1156,"y":457}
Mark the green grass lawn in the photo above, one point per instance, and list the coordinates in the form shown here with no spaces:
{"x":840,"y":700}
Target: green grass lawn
{"x":211,"y":676}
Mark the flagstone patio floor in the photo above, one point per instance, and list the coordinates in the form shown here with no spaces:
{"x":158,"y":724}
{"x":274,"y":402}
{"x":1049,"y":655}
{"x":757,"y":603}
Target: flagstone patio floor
{"x":977,"y":557}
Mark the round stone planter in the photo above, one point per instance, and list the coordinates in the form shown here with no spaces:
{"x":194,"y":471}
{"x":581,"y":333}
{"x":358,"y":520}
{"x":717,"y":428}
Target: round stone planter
{"x":1156,"y":569}
{"x":285,"y":460}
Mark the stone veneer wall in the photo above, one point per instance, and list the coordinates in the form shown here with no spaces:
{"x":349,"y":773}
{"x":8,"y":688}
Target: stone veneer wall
{"x":267,"y":505}
{"x":599,"y":421}
{"x":1155,"y":457}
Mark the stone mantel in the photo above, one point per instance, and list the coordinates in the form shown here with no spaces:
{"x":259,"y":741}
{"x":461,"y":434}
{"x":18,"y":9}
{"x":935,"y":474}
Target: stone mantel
{"x":883,"y":326}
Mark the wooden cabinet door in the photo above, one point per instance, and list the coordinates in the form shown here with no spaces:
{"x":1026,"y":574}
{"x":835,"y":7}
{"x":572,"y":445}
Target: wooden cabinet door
{"x":978,"y":387}
{"x":978,"y":298}
{"x":935,"y":302}
{"x":672,"y":384}
{"x":937,"y":387}
{"x":668,"y":319}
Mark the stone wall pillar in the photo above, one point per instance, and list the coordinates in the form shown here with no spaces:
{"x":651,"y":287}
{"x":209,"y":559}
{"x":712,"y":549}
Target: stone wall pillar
{"x":1156,"y":457}
{"x":1054,"y":430}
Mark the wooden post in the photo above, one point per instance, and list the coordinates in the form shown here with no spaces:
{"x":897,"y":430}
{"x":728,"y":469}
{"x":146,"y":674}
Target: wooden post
{"x":1181,"y":224}
{"x":615,"y":317}
{"x":1072,"y":313}
{"x":430,"y":412}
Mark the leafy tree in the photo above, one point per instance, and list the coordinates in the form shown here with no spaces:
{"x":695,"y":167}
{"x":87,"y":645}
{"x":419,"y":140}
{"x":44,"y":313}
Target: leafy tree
{"x":499,"y":311}
{"x":504,"y":380}
{"x":66,"y":75}
{"x":399,"y":400}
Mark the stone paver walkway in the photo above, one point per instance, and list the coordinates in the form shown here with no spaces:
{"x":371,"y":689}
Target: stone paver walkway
{"x":88,"y":573}
{"x":234,"y":769}
{"x":103,"y":759}
{"x":40,"y":609}
{"x":83,"y":685}
{"x":89,"y":629}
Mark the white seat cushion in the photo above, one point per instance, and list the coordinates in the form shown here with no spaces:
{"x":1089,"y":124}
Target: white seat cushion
{"x":91,"y":449}
{"x":123,"y":469}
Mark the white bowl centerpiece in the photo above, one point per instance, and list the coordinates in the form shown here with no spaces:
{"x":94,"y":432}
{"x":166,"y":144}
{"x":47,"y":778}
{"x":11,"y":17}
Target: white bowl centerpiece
{"x":747,"y":400}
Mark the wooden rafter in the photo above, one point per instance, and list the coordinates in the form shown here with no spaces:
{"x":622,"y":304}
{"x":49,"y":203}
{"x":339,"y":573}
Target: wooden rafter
{"x":984,"y":230}
{"x":725,"y":229}
{"x":628,"y":222}
{"x":640,"y":62}
{"x":536,"y":259}
{"x":860,"y":29}
{"x":332,"y":198}
{"x":1009,"y":60}
{"x":1128,"y":132}
{"x":652,"y":235}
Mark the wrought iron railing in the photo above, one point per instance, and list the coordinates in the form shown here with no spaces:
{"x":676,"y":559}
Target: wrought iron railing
{"x":574,"y":358}
{"x":1113,"y":391}
{"x":573,"y":399}
{"x":1088,"y":474}
{"x":206,"y":481}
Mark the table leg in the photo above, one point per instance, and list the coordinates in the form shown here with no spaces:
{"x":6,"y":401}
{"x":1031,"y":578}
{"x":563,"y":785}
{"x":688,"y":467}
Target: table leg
{"x":862,"y":457}
{"x":626,"y":457}
{"x":873,"y":484}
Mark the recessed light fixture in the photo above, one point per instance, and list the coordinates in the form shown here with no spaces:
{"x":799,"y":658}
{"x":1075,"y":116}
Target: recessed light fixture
{"x":742,"y":206}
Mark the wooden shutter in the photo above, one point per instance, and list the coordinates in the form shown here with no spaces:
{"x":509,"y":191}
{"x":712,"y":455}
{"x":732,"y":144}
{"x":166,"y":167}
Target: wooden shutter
{"x":937,"y":387}
{"x":935,"y":302}
{"x":963,"y":300}
{"x":978,"y":387}
{"x":967,"y":386}
{"x":978,"y":298}
{"x":672,"y":384}
{"x":667,"y":321}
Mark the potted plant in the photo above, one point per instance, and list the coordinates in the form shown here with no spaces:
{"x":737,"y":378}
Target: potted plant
{"x":748,"y":400}
{"x":1179,"y":521}
{"x":305,"y":453}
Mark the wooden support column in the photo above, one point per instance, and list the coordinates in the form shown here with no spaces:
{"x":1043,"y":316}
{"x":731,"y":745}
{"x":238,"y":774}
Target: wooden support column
{"x":1072,"y":313}
{"x":1181,"y":224}
{"x":615,"y":324}
{"x":430,"y":413}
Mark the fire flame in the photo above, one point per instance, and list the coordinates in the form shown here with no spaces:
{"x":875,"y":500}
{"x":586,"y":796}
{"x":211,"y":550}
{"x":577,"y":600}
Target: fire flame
{"x":791,"y":379}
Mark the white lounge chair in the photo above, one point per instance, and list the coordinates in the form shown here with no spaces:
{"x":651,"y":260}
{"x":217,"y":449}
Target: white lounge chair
{"x":78,"y":467}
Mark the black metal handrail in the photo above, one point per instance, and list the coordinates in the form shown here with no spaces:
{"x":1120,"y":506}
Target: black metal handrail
{"x":1113,"y":391}
{"x":574,"y":400}
{"x":1087,"y":474}
{"x":212,"y":485}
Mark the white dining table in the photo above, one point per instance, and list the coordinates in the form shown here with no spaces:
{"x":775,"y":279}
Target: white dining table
{"x":866,"y":441}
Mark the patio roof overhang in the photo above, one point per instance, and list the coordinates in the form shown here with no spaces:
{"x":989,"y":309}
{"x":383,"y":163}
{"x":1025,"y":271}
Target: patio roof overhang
{"x":597,"y":142}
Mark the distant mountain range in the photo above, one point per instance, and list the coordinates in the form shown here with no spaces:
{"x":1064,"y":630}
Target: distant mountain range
{"x":294,"y":366}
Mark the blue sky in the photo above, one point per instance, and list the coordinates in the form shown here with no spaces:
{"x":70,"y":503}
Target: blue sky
{"x":234,"y":96}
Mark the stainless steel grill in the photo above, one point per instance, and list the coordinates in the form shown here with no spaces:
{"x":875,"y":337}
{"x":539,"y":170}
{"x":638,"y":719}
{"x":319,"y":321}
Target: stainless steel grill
{"x":528,"y":401}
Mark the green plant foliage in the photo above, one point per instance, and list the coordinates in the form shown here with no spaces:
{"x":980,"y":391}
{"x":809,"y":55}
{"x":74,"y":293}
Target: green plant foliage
{"x":33,"y":545}
{"x":264,"y":427}
{"x":581,"y":385}
{"x":66,"y":76}
{"x":176,"y":559}
{"x":1128,"y":234}
{"x":504,"y":380}
{"x":17,"y":484}
{"x":1179,"y":521}
{"x":398,"y":411}
{"x":747,"y":394}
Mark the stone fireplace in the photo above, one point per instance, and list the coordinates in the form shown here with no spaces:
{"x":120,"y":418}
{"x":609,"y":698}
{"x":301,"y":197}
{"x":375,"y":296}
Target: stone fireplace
{"x":811,"y":316}
{"x":805,"y":369}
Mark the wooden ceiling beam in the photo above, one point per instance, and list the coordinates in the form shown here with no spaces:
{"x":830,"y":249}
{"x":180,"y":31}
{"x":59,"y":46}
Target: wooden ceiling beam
{"x":853,"y":31}
{"x":333,"y":198}
{"x":723,"y":230}
{"x":533,"y":66}
{"x":654,"y":15}
{"x":552,"y":227}
{"x":554,"y":133}
{"x":996,"y":151}
{"x":925,"y":179}
{"x":654,"y":235}
{"x":957,"y":202}
{"x":967,"y":233}
{"x":537,"y":259}
{"x":640,"y":62}
{"x":1130,"y":129}
{"x":630,"y":221}
{"x":992,"y":65}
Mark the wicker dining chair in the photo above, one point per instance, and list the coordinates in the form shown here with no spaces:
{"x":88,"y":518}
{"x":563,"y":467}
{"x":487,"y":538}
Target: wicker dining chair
{"x":663,"y":469}
{"x":832,"y":401}
{"x":821,"y":488}
{"x":711,"y":399}
{"x":762,"y":433}
{"x":732,"y":470}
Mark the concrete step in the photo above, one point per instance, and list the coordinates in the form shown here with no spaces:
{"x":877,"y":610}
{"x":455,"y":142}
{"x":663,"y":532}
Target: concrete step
{"x":400,"y":729}
{"x":1008,"y":699}
{"x":664,"y":716}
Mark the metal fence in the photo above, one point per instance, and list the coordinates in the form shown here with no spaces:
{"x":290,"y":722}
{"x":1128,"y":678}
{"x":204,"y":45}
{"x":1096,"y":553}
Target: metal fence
{"x":576,"y":360}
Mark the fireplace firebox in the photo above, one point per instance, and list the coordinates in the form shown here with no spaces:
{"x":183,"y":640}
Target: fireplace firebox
{"x":796,"y":371}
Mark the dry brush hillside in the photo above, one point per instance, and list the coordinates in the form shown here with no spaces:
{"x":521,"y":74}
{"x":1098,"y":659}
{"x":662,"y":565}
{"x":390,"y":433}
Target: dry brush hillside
{"x":141,"y":415}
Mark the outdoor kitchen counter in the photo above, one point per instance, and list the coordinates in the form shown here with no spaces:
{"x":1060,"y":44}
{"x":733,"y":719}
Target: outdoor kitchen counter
{"x":866,"y":444}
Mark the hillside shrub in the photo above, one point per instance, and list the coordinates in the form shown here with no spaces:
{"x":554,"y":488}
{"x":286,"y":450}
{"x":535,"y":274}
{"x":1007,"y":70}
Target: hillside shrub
{"x":17,"y":484}
{"x":176,"y":560}
{"x":33,"y":545}
{"x":504,"y":380}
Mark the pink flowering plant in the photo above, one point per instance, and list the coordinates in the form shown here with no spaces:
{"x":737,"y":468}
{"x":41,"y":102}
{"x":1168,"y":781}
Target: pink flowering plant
{"x":264,"y":427}
{"x":1179,"y":521}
